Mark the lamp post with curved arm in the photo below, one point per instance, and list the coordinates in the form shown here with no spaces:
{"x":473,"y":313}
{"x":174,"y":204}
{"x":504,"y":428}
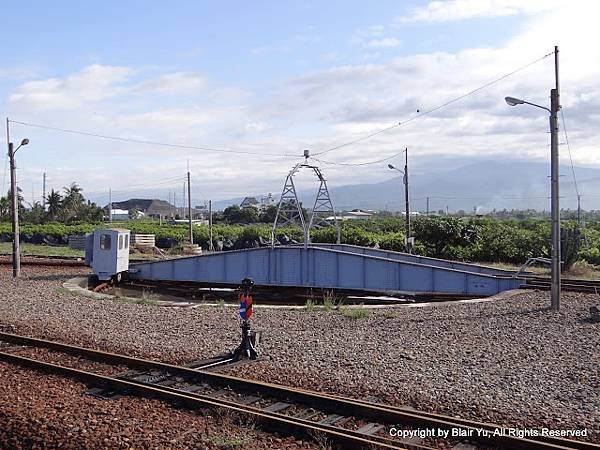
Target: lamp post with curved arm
{"x":16,"y":255}
{"x":554,"y":199}
{"x":407,"y":201}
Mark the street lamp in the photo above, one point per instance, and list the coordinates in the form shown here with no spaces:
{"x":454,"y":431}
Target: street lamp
{"x":554,"y":177}
{"x":16,"y":259}
{"x":407,"y":207}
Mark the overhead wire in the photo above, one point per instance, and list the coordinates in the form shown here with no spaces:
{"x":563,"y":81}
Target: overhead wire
{"x":562,"y":115}
{"x":148,"y":142}
{"x":437,"y":108}
{"x":358,"y":164}
{"x":140,"y":188}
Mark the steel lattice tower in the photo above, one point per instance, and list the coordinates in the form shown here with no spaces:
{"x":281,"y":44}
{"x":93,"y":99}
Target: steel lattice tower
{"x":289,"y":210}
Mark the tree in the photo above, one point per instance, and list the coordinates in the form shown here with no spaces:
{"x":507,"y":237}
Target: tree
{"x":72,"y":202}
{"x":4,"y":208}
{"x":234,"y":214}
{"x":35,"y":214}
{"x":54,"y":202}
{"x":268,"y":214}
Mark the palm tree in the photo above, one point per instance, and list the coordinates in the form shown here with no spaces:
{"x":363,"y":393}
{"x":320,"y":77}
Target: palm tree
{"x":54,"y":202}
{"x":72,"y":202}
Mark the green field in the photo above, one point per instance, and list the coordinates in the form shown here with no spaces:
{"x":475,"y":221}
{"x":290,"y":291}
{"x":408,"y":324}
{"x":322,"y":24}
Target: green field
{"x":41,"y":250}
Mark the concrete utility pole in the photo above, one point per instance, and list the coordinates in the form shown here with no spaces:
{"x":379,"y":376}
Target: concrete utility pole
{"x":189,"y":186}
{"x":16,"y":252}
{"x":110,"y":208}
{"x":554,"y":183}
{"x":406,"y":198}
{"x":554,"y":168}
{"x":210,"y":235}
{"x":408,"y":243}
{"x":16,"y":255}
{"x":427,"y":206}
{"x":44,"y":192}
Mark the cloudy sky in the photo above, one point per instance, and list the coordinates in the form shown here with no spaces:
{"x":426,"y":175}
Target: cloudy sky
{"x":262,"y":81}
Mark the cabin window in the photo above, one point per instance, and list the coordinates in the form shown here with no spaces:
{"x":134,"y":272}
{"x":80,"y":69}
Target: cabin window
{"x":105,"y":242}
{"x":121,"y":241}
{"x":126,"y":241}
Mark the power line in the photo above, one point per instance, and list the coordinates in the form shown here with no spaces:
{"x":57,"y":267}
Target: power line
{"x":141,"y":188}
{"x":364,"y":138}
{"x":359,"y":164}
{"x":562,"y":115}
{"x":146,"y":142}
{"x":437,"y":108}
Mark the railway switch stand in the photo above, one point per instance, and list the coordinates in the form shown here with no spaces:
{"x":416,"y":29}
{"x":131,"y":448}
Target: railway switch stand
{"x":247,"y":348}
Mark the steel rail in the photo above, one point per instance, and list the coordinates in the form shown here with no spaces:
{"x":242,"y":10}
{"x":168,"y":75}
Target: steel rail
{"x":394,"y":415}
{"x":280,"y":421}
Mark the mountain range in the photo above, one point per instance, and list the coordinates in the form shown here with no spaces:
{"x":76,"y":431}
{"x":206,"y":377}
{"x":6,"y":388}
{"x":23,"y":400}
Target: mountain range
{"x":483,"y":185}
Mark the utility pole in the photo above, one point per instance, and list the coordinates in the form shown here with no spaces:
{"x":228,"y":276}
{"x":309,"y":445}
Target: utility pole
{"x":579,"y":209}
{"x":427,"y":206}
{"x":555,"y":208}
{"x":44,"y":192}
{"x":189,"y":186}
{"x":406,"y":198}
{"x":408,"y":244}
{"x":210,"y":235}
{"x":16,"y":255}
{"x":110,"y":208}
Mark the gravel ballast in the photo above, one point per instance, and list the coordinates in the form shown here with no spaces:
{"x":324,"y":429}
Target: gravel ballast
{"x":47,"y":411}
{"x":511,"y":361}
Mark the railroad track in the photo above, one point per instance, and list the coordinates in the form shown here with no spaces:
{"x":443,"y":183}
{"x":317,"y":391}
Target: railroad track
{"x":348,"y":423}
{"x":567,"y":284}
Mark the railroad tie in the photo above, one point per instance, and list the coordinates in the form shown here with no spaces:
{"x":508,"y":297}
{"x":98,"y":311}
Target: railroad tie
{"x":370,"y":428}
{"x":331,"y":419}
{"x":220,"y":393}
{"x":306,"y":414}
{"x":248,"y":400}
{"x":277,"y":407}
{"x":193,"y":388}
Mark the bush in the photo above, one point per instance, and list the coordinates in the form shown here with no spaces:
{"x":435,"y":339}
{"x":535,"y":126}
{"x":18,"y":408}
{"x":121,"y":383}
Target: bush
{"x":468,"y":239}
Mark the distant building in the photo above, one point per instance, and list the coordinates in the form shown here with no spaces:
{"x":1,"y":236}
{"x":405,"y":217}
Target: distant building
{"x":267,"y":201}
{"x":351,"y":215}
{"x":264,"y":203}
{"x":249,"y":202}
{"x":155,"y":208}
{"x":119,"y":214}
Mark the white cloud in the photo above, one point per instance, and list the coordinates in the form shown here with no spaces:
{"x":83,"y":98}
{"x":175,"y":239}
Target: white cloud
{"x":97,"y":83}
{"x":374,"y":36}
{"x":384,"y":43}
{"x":325,"y":108}
{"x":450,"y":10}
{"x":174,"y":83}
{"x":92,"y":84}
